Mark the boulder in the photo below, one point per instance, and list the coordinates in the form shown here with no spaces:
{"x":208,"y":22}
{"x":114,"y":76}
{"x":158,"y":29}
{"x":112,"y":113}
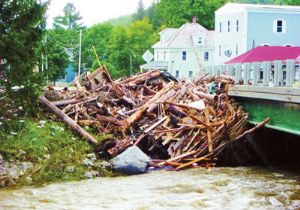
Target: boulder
{"x":91,"y":174}
{"x":87,"y":162}
{"x":26,"y":166}
{"x":132,"y":161}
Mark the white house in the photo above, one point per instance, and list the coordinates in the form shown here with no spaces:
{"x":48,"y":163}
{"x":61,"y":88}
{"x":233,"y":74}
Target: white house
{"x":183,"y":52}
{"x":241,"y":27}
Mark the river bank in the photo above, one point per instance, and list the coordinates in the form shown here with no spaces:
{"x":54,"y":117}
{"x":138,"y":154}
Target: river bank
{"x":36,"y":152}
{"x":222,"y":188}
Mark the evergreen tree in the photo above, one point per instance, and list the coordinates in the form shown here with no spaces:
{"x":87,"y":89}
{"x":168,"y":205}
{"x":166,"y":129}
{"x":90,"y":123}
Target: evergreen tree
{"x":57,"y":57}
{"x":22,"y":28}
{"x":140,"y":11}
{"x":69,"y":26}
{"x":70,"y":19}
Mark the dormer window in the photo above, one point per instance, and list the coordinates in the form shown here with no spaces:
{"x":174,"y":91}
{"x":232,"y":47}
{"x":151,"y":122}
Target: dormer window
{"x":184,"y":55}
{"x":200,"y":40}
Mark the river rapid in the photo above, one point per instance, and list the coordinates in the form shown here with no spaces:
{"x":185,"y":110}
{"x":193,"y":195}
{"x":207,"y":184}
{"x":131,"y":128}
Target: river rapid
{"x":223,"y":188}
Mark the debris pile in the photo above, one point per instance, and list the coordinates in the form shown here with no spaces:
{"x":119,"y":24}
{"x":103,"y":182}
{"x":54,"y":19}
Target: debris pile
{"x":176,"y":122}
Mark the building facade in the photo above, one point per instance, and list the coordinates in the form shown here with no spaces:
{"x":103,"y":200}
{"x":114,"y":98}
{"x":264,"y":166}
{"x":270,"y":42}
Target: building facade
{"x":183,"y":52}
{"x":242,"y":27}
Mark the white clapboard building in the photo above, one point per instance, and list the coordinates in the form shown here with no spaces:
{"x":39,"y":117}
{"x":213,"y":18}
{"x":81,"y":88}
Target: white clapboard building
{"x":183,"y":51}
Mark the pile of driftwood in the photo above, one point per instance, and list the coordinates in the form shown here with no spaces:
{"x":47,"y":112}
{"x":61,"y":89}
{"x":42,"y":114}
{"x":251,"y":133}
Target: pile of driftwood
{"x":176,"y":122}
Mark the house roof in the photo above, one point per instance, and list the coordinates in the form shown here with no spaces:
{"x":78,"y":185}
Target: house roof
{"x":267,"y":53}
{"x":155,"y":65}
{"x":237,"y":8}
{"x":182,"y":37}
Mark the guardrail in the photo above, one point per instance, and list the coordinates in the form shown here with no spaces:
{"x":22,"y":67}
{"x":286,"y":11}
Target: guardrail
{"x":269,"y":73}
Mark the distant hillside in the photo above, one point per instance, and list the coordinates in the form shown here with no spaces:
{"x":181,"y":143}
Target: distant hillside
{"x":122,"y":20}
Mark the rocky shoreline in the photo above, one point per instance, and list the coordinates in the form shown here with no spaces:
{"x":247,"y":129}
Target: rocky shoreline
{"x":14,"y":173}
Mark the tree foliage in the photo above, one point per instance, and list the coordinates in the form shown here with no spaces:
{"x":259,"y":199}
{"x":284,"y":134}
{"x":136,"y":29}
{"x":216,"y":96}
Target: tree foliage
{"x":140,"y":38}
{"x":98,"y":36}
{"x":118,"y":40}
{"x":139,"y":15}
{"x":68,"y":27}
{"x":22,"y":28}
{"x":70,"y":19}
{"x":57,"y":57}
{"x":119,"y":48}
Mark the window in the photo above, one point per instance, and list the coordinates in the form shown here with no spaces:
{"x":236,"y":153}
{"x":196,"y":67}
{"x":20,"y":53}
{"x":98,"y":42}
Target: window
{"x":164,"y":55}
{"x":220,"y":27}
{"x":190,"y":73}
{"x":279,"y":26}
{"x":184,"y":55}
{"x":206,"y":56}
{"x":177,"y":73}
{"x":237,"y":25}
{"x":220,"y":50}
{"x":237,"y":49}
{"x":200,"y":40}
{"x":228,"y":24}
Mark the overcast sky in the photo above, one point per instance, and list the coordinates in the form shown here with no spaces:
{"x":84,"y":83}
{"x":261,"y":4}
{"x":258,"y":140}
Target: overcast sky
{"x":95,"y":11}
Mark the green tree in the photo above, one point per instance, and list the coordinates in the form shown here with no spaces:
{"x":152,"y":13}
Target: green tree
{"x":204,"y":11}
{"x":22,"y":28}
{"x":120,"y":49}
{"x":69,"y":27}
{"x":57,"y":57}
{"x":140,"y":38}
{"x":154,"y":16}
{"x":172,"y":12}
{"x":140,"y":11}
{"x":99,"y":37}
{"x":70,"y":19}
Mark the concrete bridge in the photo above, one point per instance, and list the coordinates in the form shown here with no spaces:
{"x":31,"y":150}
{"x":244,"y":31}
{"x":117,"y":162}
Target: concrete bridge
{"x":267,"y":89}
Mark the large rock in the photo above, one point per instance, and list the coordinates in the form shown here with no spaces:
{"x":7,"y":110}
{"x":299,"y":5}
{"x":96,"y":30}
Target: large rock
{"x":131,"y":161}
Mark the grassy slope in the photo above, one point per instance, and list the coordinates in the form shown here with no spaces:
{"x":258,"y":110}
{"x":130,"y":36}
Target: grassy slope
{"x":51,"y":146}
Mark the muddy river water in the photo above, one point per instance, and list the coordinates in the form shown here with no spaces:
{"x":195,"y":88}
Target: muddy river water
{"x":223,"y":188}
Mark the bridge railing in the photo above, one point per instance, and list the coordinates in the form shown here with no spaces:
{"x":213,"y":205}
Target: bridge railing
{"x":269,"y":73}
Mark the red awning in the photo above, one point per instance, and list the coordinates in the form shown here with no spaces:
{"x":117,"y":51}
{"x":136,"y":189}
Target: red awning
{"x":267,"y":53}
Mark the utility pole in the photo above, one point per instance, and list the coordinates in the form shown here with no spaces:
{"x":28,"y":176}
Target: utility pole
{"x":79,"y":59}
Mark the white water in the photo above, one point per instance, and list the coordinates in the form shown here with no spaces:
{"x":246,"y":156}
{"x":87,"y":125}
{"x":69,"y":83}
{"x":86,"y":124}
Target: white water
{"x":224,"y":188}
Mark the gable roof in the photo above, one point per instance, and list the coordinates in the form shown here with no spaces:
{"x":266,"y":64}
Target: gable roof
{"x":267,"y":53}
{"x":237,"y":8}
{"x":182,"y":37}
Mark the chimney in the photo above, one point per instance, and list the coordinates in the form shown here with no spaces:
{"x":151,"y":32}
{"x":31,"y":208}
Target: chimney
{"x":194,"y":19}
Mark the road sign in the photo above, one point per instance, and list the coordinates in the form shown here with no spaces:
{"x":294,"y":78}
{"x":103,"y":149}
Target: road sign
{"x":148,"y":56}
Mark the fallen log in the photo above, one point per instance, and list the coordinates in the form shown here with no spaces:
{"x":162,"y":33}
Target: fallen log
{"x":65,"y":102}
{"x":68,"y":121}
{"x":137,"y":115}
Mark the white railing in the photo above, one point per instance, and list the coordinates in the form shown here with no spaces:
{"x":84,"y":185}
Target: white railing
{"x":276,"y":73}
